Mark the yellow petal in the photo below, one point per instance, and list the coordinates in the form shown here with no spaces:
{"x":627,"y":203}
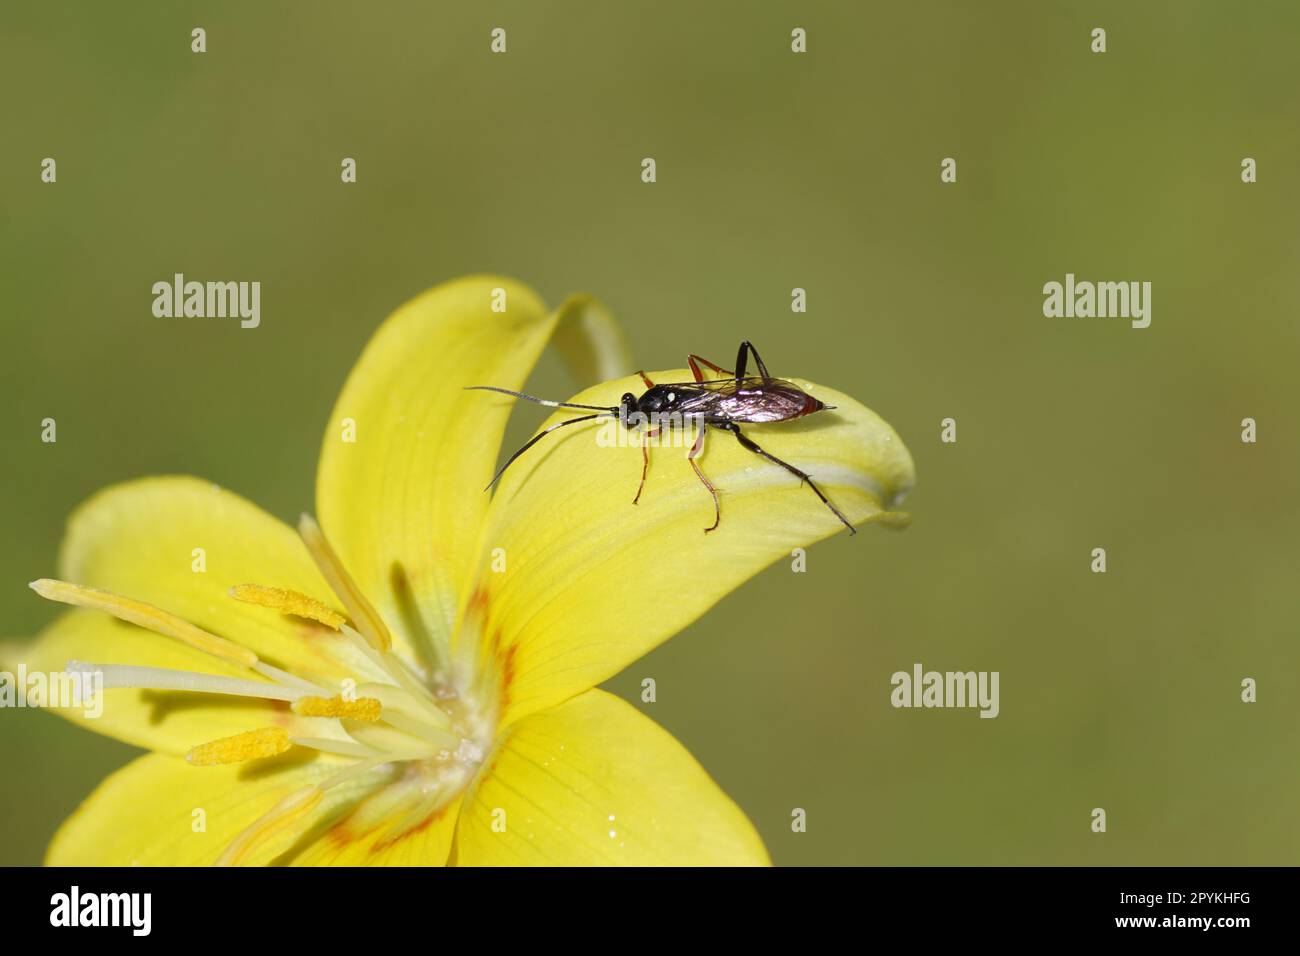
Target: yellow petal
{"x":160,"y":811}
{"x":592,"y":582}
{"x":403,"y":502}
{"x":182,"y":544}
{"x":589,"y":340}
{"x":594,"y":782}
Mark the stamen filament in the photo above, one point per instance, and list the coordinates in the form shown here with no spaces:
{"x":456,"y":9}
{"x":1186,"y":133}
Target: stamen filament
{"x":365,"y":766}
{"x":418,"y":728}
{"x":331,"y":567}
{"x":396,"y":699}
{"x":159,"y":678}
{"x":291,"y":680}
{"x":391,"y":737}
{"x":331,"y":745}
{"x":385,"y":662}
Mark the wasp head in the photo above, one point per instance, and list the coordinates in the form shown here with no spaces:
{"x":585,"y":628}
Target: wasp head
{"x":627,"y":408}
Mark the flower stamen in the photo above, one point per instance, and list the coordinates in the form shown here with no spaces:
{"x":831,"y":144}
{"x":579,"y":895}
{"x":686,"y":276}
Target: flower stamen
{"x":147,"y":616}
{"x":363,"y":708}
{"x":418,"y":723}
{"x":288,"y":602}
{"x":161,"y":678}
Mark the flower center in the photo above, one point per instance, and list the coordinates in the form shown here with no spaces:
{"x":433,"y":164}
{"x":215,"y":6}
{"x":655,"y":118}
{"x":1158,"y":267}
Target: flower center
{"x":422,"y":738}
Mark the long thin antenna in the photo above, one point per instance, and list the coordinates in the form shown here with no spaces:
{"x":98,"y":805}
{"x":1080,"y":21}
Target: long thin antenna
{"x":538,"y":437}
{"x":540,"y":401}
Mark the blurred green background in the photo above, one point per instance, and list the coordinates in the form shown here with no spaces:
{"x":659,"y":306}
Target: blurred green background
{"x":775,"y":170}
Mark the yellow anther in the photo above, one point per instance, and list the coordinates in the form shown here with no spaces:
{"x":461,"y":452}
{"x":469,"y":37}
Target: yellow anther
{"x":289,"y":602}
{"x":265,"y":742}
{"x":367,"y":619}
{"x":290,"y":808}
{"x":363,"y":708}
{"x":146,"y":616}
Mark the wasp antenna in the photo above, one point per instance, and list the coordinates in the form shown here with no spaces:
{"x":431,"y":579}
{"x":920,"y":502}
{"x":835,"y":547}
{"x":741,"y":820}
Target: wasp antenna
{"x":533,"y":441}
{"x":540,"y":401}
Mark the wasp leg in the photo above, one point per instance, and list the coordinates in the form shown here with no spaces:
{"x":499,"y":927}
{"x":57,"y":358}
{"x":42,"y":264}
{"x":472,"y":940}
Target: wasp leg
{"x":742,"y":361}
{"x":803,"y":476}
{"x":691,"y":456}
{"x":696,"y":361}
{"x":645,"y":378}
{"x":645,"y":459}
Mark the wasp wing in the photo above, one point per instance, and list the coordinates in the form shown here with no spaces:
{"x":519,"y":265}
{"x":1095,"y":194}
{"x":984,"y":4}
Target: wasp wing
{"x":752,"y":399}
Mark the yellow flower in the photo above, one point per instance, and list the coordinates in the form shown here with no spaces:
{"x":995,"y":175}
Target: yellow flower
{"x":412,"y":681}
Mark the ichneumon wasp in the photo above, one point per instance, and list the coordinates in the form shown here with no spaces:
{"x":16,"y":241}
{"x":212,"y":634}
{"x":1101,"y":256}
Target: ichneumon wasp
{"x":722,"y":403}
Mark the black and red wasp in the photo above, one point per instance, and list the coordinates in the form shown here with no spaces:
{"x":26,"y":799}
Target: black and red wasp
{"x":722,"y":403}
